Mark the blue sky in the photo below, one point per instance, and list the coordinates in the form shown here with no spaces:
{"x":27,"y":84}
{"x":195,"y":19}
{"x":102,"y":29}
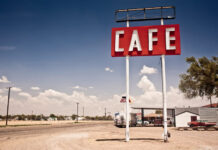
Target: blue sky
{"x":54,"y":44}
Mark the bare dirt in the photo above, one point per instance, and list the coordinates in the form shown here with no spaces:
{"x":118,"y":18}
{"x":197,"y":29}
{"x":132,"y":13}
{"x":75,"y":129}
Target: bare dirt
{"x":102,"y":136}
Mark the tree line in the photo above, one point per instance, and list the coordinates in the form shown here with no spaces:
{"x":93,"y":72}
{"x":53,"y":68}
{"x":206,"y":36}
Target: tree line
{"x":53,"y":117}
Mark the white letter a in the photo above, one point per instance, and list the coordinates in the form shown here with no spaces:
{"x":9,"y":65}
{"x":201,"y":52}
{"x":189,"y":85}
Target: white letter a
{"x":135,"y":43}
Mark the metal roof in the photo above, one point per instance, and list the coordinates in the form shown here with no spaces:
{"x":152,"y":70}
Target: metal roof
{"x":151,"y":108}
{"x":194,"y":110}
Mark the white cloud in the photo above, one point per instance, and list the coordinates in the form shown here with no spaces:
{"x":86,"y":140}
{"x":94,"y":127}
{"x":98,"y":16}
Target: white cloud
{"x":77,"y":87}
{"x":7,"y":48}
{"x":153,"y":98}
{"x":35,"y":88}
{"x":24,"y":94}
{"x":108,"y":69}
{"x":53,"y":101}
{"x":2,"y":91}
{"x":147,"y":70}
{"x":146,"y":85}
{"x":91,"y":87}
{"x":93,"y":97}
{"x":4,"y":79}
{"x":16,"y":89}
{"x":53,"y":94}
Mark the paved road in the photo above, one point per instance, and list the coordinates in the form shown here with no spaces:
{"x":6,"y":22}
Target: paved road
{"x":44,"y":129}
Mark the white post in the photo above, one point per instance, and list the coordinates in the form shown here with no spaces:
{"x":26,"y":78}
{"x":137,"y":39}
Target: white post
{"x":164,"y":94}
{"x":127,"y":94}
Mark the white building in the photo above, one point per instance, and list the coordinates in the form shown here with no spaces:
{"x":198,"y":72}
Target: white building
{"x":52,"y":119}
{"x":183,"y":118}
{"x":185,"y":115}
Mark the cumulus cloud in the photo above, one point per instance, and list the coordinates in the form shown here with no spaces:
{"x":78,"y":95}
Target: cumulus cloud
{"x":93,"y":97}
{"x":35,"y":88}
{"x":146,"y":85}
{"x":24,"y":94}
{"x":16,"y":89}
{"x":4,"y":79}
{"x":53,"y":94}
{"x":153,"y":98}
{"x":53,"y":101}
{"x":147,"y":70}
{"x":108,"y":69}
{"x":2,"y":91}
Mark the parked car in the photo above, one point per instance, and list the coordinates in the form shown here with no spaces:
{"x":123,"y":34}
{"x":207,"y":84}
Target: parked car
{"x":139,"y":122}
{"x":158,"y":122}
{"x":120,"y":120}
{"x":203,"y":123}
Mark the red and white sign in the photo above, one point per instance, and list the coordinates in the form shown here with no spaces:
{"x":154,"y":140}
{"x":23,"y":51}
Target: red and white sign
{"x":123,"y":100}
{"x":145,"y":41}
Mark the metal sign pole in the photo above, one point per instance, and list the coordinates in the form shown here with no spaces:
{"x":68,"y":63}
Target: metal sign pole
{"x":164,"y":94}
{"x":127,"y":94}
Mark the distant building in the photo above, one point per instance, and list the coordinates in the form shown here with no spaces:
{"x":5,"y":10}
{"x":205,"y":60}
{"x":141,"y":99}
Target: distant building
{"x":68,"y":118}
{"x":185,"y":115}
{"x":80,"y":118}
{"x":52,"y":119}
{"x":152,"y":117}
{"x":179,"y":117}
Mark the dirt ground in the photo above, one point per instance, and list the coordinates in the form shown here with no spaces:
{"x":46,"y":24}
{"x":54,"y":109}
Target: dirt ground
{"x":102,"y":136}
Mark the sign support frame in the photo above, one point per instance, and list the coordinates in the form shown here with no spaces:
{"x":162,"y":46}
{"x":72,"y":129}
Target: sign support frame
{"x":131,"y":17}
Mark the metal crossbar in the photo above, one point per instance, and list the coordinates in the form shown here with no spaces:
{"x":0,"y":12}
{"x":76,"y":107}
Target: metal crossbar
{"x":143,"y":14}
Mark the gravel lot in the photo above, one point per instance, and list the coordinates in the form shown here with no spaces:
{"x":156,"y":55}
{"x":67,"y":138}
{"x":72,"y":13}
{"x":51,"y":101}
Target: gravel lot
{"x":102,"y":136}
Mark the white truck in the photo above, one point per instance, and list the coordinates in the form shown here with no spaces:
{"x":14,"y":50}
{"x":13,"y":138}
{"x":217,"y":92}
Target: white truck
{"x":120,"y":120}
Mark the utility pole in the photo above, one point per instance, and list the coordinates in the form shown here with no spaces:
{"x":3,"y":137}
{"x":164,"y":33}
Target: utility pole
{"x":77,"y":117}
{"x":32,"y":116}
{"x":9,"y":92}
{"x":83,"y":111}
{"x":105,"y":112}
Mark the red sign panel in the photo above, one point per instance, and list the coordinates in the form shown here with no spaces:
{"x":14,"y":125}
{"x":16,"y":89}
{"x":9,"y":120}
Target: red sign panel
{"x":145,"y":41}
